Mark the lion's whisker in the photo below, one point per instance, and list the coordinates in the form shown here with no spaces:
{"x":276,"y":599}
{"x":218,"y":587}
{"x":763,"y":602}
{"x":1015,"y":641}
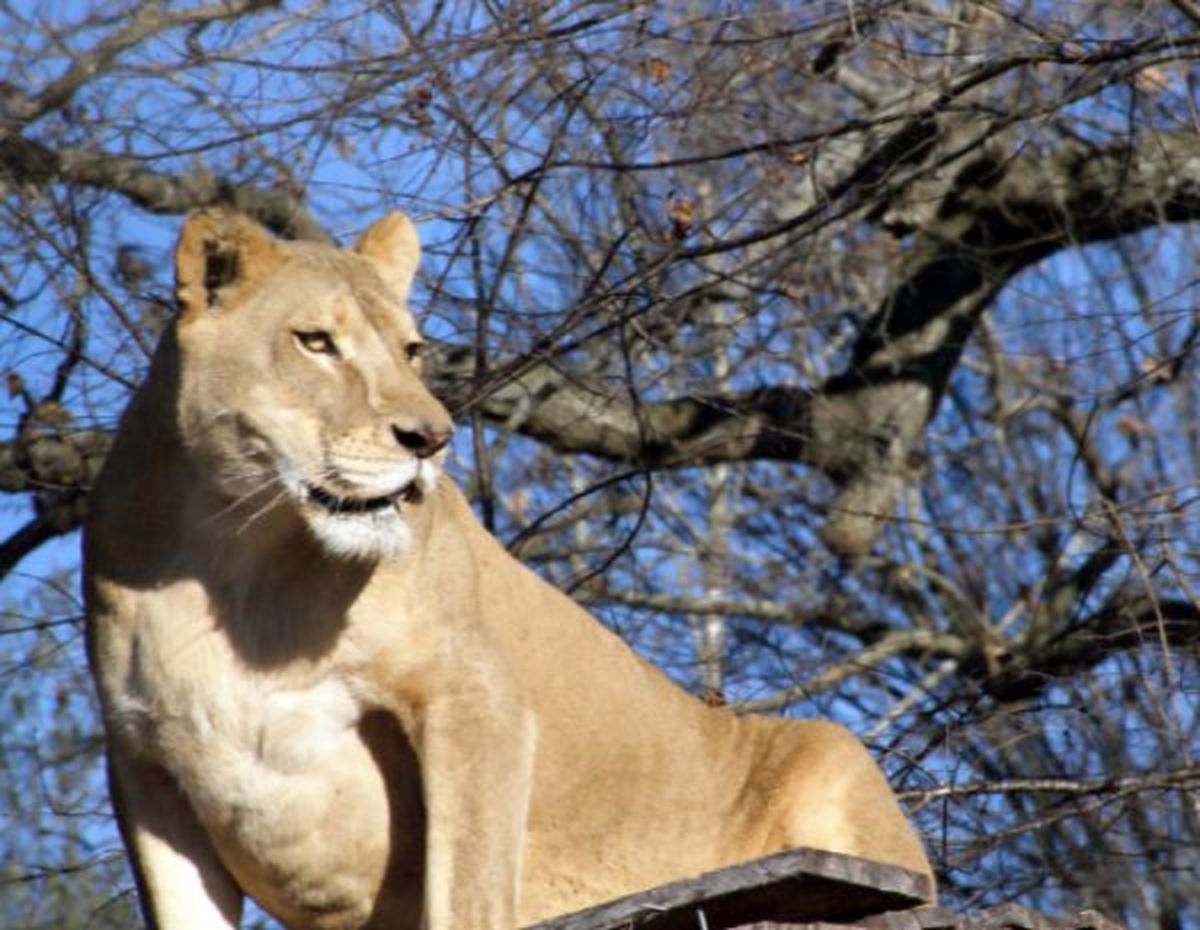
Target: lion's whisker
{"x":243,"y":498}
{"x":281,"y":494}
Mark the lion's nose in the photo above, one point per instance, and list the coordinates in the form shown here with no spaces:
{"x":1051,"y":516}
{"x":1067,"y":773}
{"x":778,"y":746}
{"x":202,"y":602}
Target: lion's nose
{"x":422,"y":441}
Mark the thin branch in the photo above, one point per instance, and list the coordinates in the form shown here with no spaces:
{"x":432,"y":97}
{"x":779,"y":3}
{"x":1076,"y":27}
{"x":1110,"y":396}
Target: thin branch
{"x":40,"y":529}
{"x":144,"y":21}
{"x":892,"y":644}
{"x":1188,"y":8}
{"x":1183,"y":778}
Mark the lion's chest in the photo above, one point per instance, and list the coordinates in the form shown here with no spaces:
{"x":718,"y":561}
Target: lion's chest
{"x":251,"y":745}
{"x":276,"y":769}
{"x":223,"y":728}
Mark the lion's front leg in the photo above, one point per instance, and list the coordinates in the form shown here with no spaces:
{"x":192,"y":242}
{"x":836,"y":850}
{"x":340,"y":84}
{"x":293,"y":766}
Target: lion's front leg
{"x":476,"y":747}
{"x":181,"y":883}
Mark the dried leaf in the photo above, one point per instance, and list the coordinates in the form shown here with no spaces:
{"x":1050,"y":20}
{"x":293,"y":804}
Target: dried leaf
{"x":1155,"y":369}
{"x":1134,"y":429}
{"x":1152,"y":80}
{"x":681,"y":211}
{"x":416,"y":106}
{"x":658,"y":70}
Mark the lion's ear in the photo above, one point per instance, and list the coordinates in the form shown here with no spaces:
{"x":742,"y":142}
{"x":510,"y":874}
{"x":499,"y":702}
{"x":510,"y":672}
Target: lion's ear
{"x":221,"y":255}
{"x":393,"y":245}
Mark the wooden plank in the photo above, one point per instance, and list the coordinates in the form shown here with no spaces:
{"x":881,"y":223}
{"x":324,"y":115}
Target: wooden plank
{"x":795,"y":886}
{"x":1015,"y":917}
{"x":929,"y":917}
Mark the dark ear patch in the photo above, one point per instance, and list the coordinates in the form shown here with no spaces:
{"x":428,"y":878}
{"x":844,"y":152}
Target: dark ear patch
{"x":221,"y":257}
{"x":221,"y":268}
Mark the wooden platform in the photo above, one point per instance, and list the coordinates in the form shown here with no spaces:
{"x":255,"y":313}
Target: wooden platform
{"x":793,"y":887}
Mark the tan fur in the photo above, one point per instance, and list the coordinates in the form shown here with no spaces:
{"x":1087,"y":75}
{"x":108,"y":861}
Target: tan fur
{"x":380,"y":719}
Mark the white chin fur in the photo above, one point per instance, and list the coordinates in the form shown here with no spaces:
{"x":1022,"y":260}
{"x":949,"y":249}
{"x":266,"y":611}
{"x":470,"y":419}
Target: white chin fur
{"x":370,"y":536}
{"x":381,"y":534}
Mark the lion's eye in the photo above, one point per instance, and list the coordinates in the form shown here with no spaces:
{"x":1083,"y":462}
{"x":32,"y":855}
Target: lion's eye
{"x":318,"y":342}
{"x":414,"y":350}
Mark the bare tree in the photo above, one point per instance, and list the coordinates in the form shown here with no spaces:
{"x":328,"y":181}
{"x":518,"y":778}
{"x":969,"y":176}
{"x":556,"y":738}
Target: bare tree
{"x":841,"y":355}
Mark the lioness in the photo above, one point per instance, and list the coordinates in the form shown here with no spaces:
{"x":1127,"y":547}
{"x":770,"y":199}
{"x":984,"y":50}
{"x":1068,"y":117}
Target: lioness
{"x":327,"y":687}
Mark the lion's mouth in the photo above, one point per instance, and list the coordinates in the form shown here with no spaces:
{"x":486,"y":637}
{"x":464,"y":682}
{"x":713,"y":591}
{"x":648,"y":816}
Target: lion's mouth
{"x":337,"y":504}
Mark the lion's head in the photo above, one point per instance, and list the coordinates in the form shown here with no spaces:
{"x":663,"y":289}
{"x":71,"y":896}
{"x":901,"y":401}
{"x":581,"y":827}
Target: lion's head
{"x":300,"y":378}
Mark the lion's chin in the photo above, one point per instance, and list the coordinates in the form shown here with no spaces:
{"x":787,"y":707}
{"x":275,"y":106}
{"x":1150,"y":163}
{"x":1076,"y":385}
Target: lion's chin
{"x":370,"y":535}
{"x":367,"y":528}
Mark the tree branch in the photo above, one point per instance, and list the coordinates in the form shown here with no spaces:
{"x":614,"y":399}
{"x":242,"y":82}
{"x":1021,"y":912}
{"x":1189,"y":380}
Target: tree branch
{"x":864,"y":427}
{"x":1177,"y":779}
{"x":31,"y":163}
{"x":28,"y":537}
{"x":146,"y":20}
{"x":57,"y":469}
{"x":891,"y":644}
{"x":56,"y":462}
{"x":1127,"y":622}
